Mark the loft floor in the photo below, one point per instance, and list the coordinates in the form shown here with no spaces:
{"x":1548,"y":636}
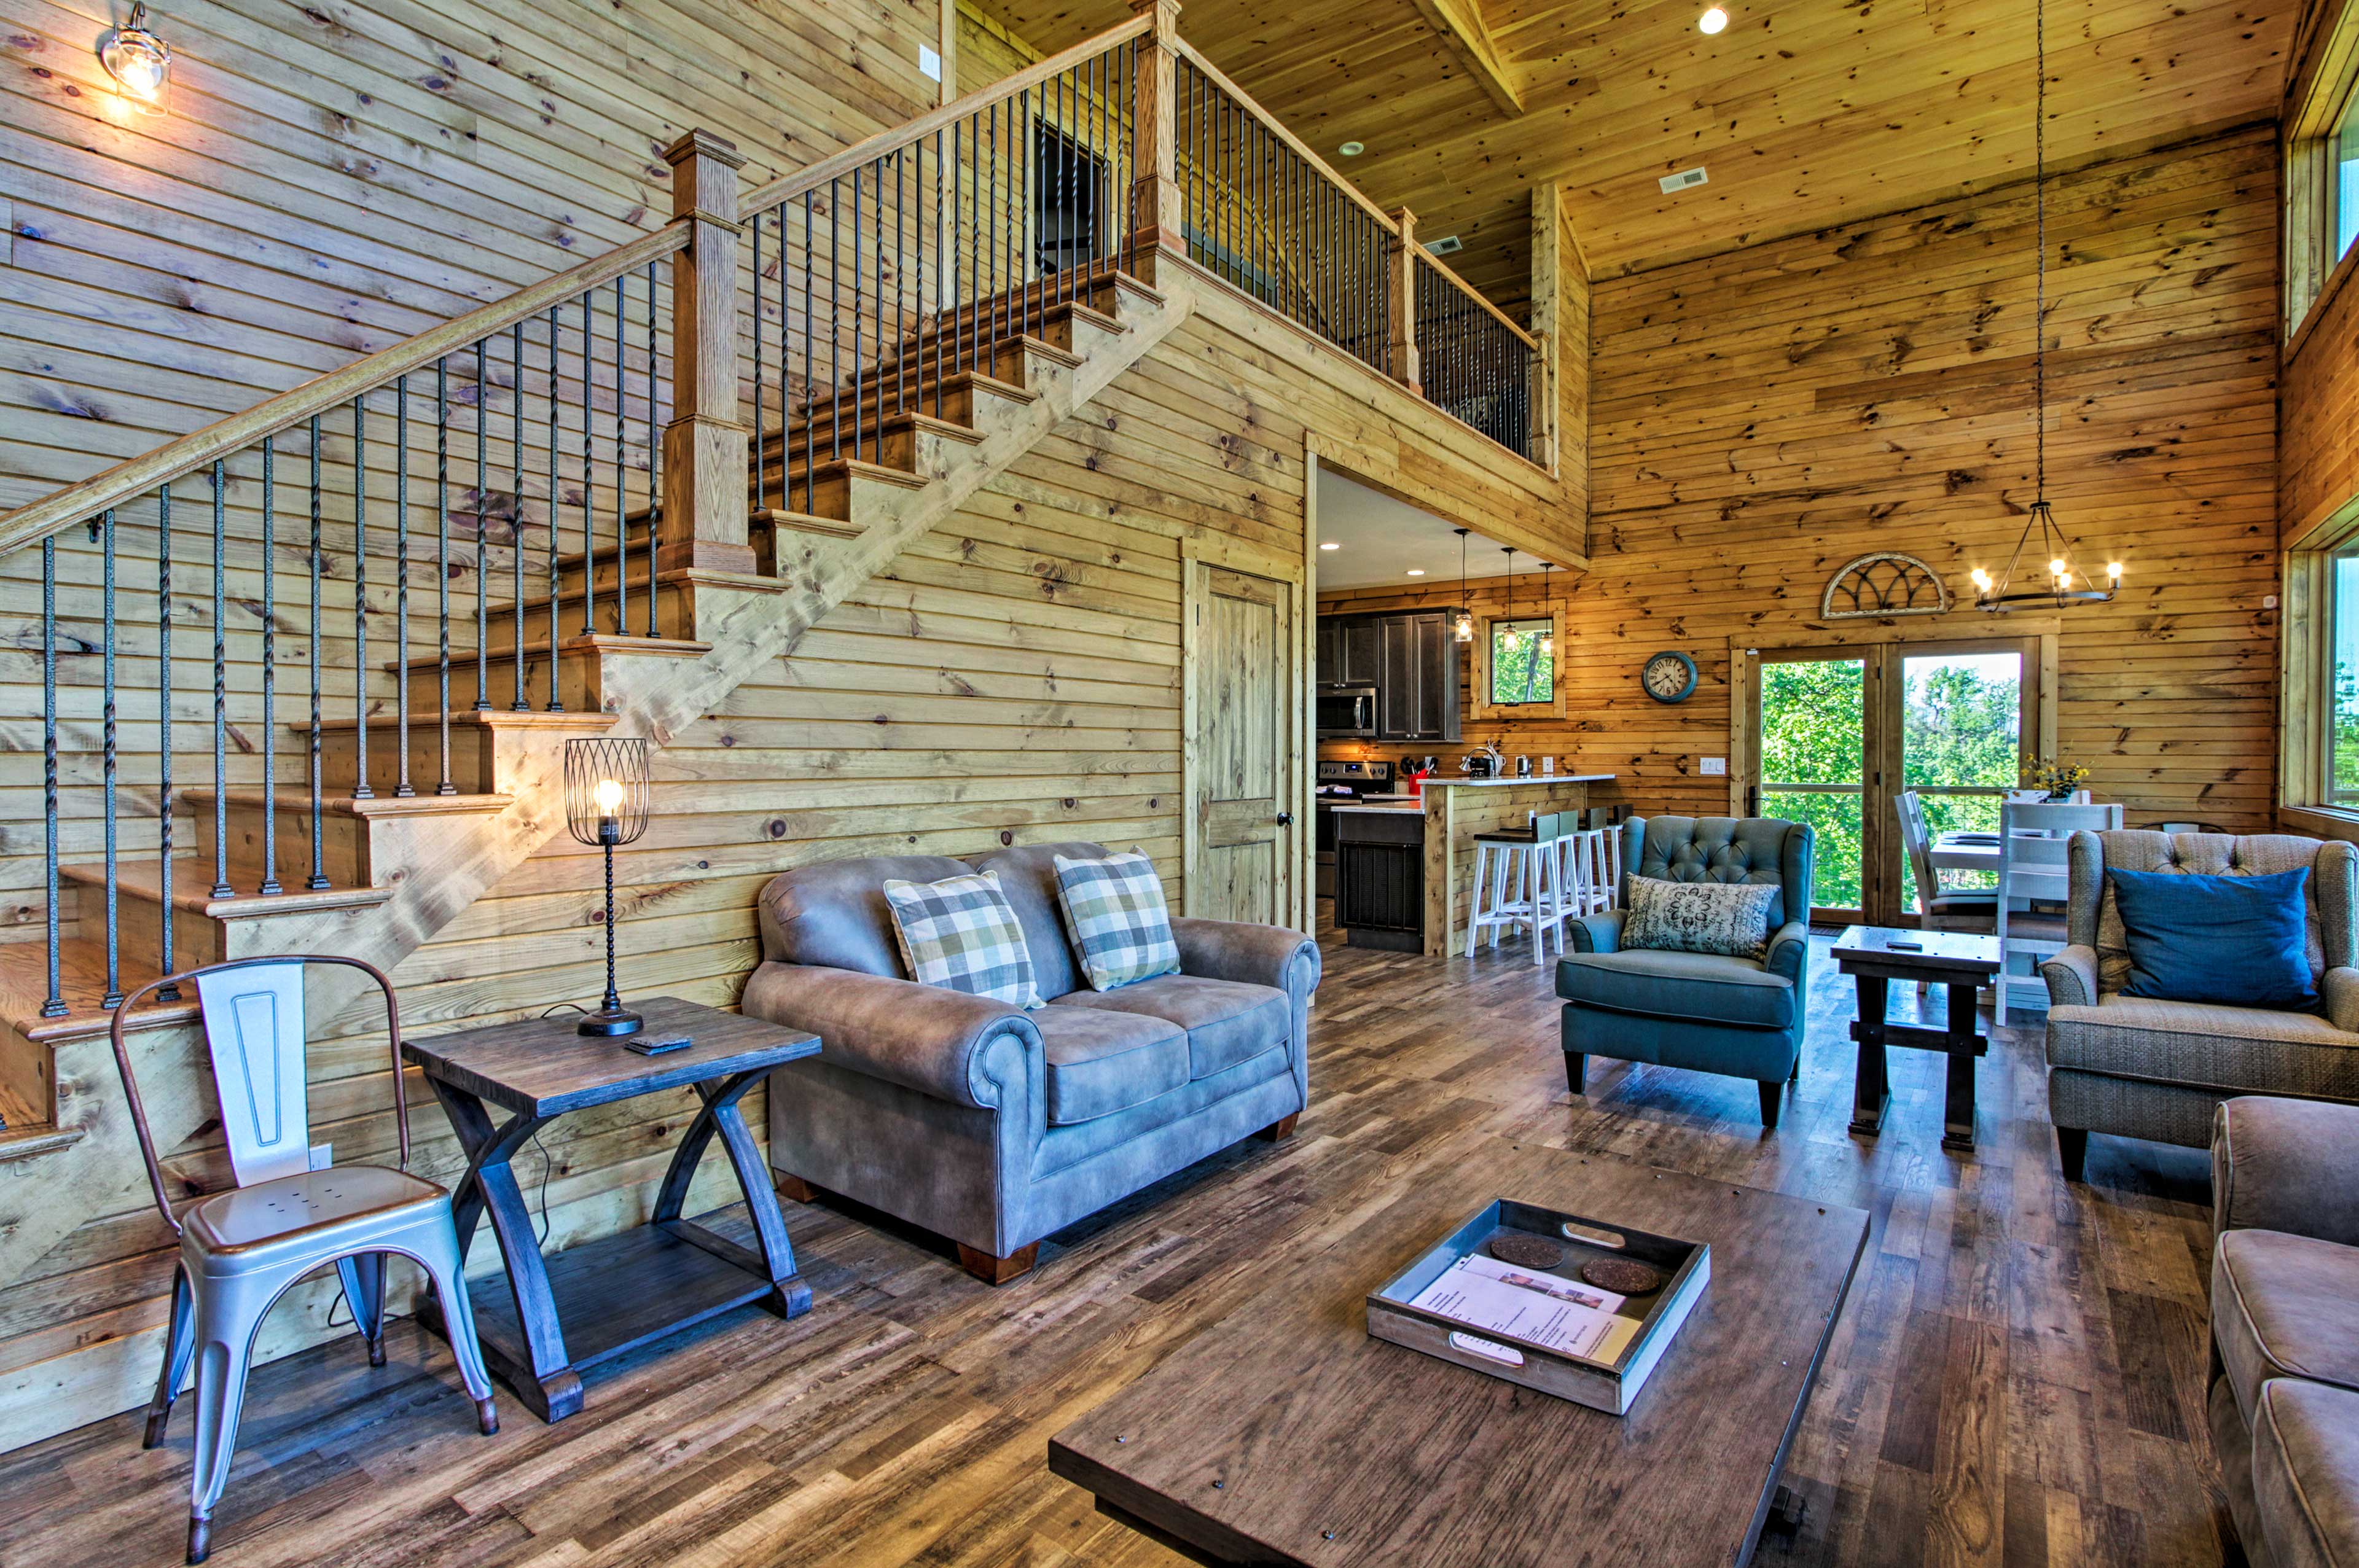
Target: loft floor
{"x":2018,"y":1376}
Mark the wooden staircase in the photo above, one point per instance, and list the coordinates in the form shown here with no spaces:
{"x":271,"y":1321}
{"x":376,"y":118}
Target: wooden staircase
{"x":397,"y":868}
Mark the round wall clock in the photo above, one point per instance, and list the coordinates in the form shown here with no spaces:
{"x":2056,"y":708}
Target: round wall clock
{"x":1668,"y":676}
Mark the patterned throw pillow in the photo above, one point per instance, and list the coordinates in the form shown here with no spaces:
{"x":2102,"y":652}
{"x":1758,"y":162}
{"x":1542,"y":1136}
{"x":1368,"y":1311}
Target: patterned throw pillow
{"x":1728,"y":918}
{"x":1115,"y":915}
{"x":962,"y":933}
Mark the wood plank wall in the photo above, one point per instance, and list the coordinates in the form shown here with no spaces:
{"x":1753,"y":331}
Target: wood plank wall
{"x":1764,"y":416}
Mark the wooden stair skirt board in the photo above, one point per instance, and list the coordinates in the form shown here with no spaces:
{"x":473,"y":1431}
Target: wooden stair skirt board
{"x":56,"y":1075}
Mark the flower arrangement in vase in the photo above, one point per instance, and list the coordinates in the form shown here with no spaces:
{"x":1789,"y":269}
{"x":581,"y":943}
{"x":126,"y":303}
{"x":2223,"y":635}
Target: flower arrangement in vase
{"x":2057,"y":777}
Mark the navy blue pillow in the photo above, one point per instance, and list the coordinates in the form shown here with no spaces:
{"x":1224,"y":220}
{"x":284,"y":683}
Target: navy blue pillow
{"x":2238,"y":940}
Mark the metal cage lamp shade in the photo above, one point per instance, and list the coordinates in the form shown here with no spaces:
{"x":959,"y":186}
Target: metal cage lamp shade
{"x":1462,"y":628}
{"x":607,"y":805}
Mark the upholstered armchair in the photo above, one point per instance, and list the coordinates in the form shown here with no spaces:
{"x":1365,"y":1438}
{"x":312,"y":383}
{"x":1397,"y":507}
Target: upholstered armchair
{"x":2142,"y":1068}
{"x":1742,"y":1017}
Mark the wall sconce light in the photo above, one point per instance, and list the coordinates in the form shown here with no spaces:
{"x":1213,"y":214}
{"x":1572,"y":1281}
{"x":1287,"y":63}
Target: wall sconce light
{"x":141,"y":62}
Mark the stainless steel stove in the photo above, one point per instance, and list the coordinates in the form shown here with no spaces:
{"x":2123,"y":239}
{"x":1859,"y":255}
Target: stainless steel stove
{"x":1341,"y":783}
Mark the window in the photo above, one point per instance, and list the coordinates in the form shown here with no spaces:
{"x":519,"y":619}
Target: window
{"x":2343,"y":159}
{"x":2342,"y":678}
{"x":1520,"y":673}
{"x":1065,"y":179}
{"x":2321,"y":172}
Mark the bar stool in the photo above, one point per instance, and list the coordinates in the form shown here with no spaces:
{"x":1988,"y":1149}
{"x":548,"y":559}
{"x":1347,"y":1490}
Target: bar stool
{"x":1594,"y":869}
{"x":1522,"y":871}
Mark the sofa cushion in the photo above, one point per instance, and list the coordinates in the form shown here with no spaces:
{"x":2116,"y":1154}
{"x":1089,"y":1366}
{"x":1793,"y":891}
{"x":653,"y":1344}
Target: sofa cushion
{"x":1115,"y":915}
{"x":1705,"y":986}
{"x":1027,"y":875}
{"x":1725,"y":850}
{"x":2306,"y":1474}
{"x":833,"y":913}
{"x":1100,"y":1061}
{"x":2327,"y":936}
{"x":2282,"y":1306}
{"x":1728,"y":918}
{"x":960,"y":933}
{"x":1227,"y":1021}
{"x":2243,"y":1050}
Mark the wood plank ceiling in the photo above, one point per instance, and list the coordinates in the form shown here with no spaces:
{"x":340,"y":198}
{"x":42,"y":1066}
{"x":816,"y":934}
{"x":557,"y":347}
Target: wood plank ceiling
{"x":1807,"y":113}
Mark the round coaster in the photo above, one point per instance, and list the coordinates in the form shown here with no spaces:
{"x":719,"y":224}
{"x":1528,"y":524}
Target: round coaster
{"x":1526,"y":1252}
{"x":1623,"y":1276}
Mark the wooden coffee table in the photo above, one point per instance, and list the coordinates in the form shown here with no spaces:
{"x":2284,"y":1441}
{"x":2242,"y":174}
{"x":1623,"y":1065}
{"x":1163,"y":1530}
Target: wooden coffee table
{"x":1286,"y":1434}
{"x":1960,"y":961}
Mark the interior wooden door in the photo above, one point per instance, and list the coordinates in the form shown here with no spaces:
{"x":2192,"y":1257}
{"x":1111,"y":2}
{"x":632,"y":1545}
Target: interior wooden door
{"x":1243,"y":687}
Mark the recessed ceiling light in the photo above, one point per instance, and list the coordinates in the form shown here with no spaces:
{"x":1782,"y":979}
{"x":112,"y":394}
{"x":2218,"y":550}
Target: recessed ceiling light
{"x":1712,"y":21}
{"x":1352,"y":149}
{"x":1330,"y":544}
{"x":1417,"y":571}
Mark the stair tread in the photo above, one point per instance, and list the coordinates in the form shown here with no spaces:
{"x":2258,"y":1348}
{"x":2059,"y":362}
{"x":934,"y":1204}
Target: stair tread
{"x":917,"y":418}
{"x":299,"y":802}
{"x":488,"y":718}
{"x":81,"y":977}
{"x":578,"y":642}
{"x":192,"y":889}
{"x":807,"y":522}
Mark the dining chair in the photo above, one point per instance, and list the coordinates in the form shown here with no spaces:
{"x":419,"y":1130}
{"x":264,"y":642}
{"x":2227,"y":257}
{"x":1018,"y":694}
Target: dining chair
{"x":241,"y":1249}
{"x":1939,"y":908}
{"x":2034,"y":867}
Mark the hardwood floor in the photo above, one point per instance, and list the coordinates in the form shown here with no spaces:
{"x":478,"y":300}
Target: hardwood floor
{"x":2018,"y":1377}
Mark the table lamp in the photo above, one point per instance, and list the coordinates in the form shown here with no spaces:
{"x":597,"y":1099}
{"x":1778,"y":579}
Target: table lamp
{"x":607,"y":805}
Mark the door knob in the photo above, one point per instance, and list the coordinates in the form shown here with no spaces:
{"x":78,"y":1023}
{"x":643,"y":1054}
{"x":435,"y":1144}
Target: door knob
{"x":1286,"y":819}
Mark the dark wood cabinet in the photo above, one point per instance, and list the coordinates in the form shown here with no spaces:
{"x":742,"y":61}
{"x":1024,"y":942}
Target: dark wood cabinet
{"x":1363,"y":651}
{"x":1380,"y":879}
{"x":1409,"y":657}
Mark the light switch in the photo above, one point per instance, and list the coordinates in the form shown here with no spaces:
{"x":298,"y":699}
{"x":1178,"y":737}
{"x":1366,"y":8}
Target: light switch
{"x":1714,"y":767}
{"x":323,"y":1156}
{"x":929,"y":62}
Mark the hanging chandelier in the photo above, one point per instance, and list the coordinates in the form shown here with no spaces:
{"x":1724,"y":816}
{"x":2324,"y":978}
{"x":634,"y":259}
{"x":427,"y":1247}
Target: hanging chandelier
{"x":2063,"y":583}
{"x":1547,"y":638}
{"x":1464,"y":627}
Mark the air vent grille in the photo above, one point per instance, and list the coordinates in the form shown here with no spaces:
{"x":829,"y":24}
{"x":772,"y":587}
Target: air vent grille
{"x":1449,"y":244}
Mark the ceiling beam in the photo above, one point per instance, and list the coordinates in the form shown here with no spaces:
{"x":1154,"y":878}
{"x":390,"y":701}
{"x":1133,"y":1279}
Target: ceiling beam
{"x":1460,"y":26}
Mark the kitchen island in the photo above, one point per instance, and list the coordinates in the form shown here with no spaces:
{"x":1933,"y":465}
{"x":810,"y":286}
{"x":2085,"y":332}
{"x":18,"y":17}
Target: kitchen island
{"x":1456,"y":809}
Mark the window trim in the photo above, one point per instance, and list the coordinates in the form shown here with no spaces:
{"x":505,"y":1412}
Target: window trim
{"x":2306,"y":666}
{"x":1478,"y":659}
{"x":2313,"y":272}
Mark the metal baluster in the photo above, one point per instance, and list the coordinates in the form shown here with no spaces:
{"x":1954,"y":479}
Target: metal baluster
{"x":942,"y":274}
{"x":876,"y":305}
{"x":107,"y":732}
{"x":164,"y":730}
{"x":401,"y":788}
{"x":655,"y":439}
{"x":859,"y":363}
{"x":361,"y":790}
{"x":994,"y":289}
{"x":442,"y":573}
{"x":483,"y":530}
{"x":319,"y":876}
{"x":1020,"y":155}
{"x":270,"y":883}
{"x":900,"y":281}
{"x":220,"y":703}
{"x":622,"y":511}
{"x":589,"y":484}
{"x":834,"y":329}
{"x":518,"y":704}
{"x":962,"y":235}
{"x":761,"y":407}
{"x":54,"y":1005}
{"x":810,"y":387}
{"x":913,"y":339}
{"x":556,"y":702}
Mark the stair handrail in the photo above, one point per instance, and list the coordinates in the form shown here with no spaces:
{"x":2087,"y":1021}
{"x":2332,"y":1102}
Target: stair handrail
{"x":85,"y":498}
{"x":884,"y":144}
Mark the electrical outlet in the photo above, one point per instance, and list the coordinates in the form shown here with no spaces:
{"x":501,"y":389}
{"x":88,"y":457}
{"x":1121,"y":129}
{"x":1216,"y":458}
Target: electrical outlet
{"x":323,"y":1156}
{"x":1716,"y":767}
{"x":929,"y":62}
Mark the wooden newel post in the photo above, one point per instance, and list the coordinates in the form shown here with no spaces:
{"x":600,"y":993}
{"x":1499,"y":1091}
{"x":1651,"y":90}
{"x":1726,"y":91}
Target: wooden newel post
{"x":705,"y":479}
{"x":1400,"y":303}
{"x":1543,"y":385}
{"x":1158,"y":215}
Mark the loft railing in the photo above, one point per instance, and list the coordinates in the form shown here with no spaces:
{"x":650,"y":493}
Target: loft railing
{"x":884,"y":272}
{"x":315,"y":589}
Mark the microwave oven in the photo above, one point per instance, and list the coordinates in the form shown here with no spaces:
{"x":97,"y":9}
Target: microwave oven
{"x":1347,"y":712}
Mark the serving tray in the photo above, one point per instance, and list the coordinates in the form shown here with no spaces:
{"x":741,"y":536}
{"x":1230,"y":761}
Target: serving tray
{"x":1610,"y":1385}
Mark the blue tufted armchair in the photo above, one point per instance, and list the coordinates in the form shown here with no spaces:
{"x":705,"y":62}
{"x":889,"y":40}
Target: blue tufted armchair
{"x":1699,"y":1011}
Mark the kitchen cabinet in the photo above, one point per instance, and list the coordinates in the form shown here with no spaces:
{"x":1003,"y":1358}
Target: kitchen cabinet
{"x":1409,"y":657}
{"x":1380,"y":879}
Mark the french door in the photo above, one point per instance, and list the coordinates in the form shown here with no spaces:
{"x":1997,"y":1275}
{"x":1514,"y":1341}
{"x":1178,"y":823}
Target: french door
{"x":1839,"y":731}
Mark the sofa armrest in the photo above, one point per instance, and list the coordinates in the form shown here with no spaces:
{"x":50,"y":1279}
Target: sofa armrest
{"x":1248,"y":953}
{"x":1790,"y":949}
{"x":2071,"y":976}
{"x":921,"y":1037}
{"x":2340,"y":991}
{"x":1599,"y":933}
{"x":2286,"y":1164}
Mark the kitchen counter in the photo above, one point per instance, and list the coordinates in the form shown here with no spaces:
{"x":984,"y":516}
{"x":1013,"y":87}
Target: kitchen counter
{"x":1406,"y":808}
{"x":1443,"y":782}
{"x":1456,"y":810}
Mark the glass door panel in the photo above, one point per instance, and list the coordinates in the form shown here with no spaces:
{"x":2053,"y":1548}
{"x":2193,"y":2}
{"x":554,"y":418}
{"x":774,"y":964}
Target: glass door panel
{"x":1812,"y":765}
{"x":1961,"y":745}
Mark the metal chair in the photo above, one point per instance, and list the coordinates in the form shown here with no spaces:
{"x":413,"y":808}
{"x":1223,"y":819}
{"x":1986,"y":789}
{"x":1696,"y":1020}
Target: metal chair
{"x":241,"y":1249}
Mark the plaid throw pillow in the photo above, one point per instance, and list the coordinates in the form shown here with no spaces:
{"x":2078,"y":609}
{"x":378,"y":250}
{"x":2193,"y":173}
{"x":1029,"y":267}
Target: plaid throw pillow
{"x":961,"y":933}
{"x":1115,"y":915}
{"x":1727,"y":918}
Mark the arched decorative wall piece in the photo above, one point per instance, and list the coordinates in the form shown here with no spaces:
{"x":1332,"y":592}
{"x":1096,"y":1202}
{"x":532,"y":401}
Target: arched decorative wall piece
{"x":1884,"y":583}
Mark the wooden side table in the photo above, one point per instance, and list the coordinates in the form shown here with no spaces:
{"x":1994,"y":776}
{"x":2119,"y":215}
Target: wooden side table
{"x":597,"y":1300}
{"x":1958,"y":961}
